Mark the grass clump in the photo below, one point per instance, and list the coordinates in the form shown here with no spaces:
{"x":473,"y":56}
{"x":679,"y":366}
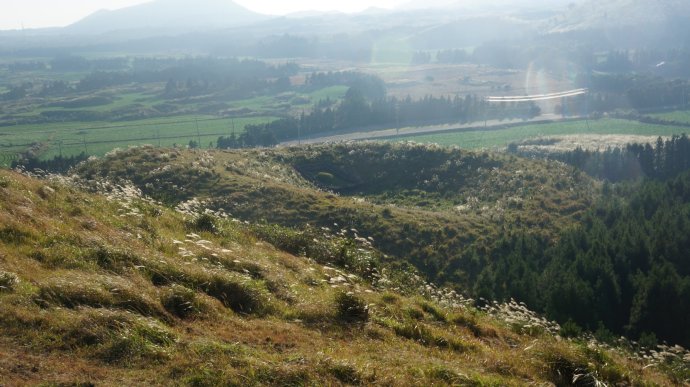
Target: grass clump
{"x":351,"y":308}
{"x":13,"y":235}
{"x":112,"y":259}
{"x":183,"y":302}
{"x":470,"y":322}
{"x":424,"y":335}
{"x":8,"y":281}
{"x":434,"y":311}
{"x":241,"y":295}
{"x":343,"y":372}
{"x":566,"y":366}
{"x":73,"y":291}
{"x":142,"y":341}
{"x":446,"y":375}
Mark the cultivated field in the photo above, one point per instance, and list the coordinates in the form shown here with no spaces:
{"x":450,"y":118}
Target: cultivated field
{"x":502,"y":137}
{"x":97,"y":138}
{"x":677,"y":116}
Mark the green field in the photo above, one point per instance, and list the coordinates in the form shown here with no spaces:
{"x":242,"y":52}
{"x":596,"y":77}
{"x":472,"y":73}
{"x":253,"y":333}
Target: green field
{"x":502,"y":137}
{"x":677,"y":116}
{"x":97,"y":138}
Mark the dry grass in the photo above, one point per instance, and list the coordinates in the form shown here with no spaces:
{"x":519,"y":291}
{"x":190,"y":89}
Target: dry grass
{"x":136,"y":298}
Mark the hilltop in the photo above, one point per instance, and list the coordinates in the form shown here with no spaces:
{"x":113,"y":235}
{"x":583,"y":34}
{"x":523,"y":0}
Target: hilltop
{"x":100,"y":284}
{"x":166,"y":16}
{"x":423,"y":204}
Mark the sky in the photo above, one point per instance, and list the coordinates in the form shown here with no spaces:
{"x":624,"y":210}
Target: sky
{"x":18,"y":14}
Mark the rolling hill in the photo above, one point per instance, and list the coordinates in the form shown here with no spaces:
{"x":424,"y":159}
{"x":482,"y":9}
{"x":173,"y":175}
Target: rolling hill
{"x":110,"y":288}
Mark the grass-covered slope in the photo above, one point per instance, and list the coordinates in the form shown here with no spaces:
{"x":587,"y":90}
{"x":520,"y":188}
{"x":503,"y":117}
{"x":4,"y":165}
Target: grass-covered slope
{"x":117,"y":290}
{"x":441,"y":210}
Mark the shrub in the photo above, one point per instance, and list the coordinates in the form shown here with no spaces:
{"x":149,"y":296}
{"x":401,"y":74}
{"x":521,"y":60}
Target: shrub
{"x":648,"y":340}
{"x":324,"y":178}
{"x":570,"y":329}
{"x":203,"y":223}
{"x":350,"y":308}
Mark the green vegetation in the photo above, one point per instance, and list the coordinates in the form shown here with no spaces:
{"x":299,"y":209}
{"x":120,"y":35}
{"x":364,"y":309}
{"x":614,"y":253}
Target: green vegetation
{"x":500,"y":138}
{"x":98,"y":138}
{"x":682,"y":116}
{"x":487,"y":224}
{"x":112,"y":288}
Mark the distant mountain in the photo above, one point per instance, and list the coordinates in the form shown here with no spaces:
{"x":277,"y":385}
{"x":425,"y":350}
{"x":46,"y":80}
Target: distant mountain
{"x":609,"y":14}
{"x":167,"y":16}
{"x":488,"y":6}
{"x":628,"y":22}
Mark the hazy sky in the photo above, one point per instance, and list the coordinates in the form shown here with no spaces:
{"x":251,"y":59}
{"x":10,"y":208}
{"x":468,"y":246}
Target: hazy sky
{"x":47,"y":13}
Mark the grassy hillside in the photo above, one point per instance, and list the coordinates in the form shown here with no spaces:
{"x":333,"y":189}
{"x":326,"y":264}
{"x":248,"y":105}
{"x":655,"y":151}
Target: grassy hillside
{"x":426,"y":205}
{"x":114,"y":289}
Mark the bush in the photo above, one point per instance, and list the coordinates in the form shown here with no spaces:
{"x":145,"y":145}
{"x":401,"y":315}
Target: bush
{"x":570,"y":329}
{"x":351,"y":308}
{"x":203,"y":223}
{"x":648,"y":340}
{"x":325,"y":178}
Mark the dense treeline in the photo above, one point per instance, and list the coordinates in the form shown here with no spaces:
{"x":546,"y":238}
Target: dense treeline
{"x":625,"y":269}
{"x":58,"y":164}
{"x":371,"y":86}
{"x":664,"y":160}
{"x":199,"y":75}
{"x":184,"y":77}
{"x":621,"y":91}
{"x":357,"y":111}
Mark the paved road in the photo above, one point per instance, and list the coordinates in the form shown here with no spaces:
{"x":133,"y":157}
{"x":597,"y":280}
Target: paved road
{"x":389,"y":133}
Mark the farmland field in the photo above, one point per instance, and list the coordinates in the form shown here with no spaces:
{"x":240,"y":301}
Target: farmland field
{"x":502,"y":137}
{"x":97,"y":138}
{"x":677,"y":115}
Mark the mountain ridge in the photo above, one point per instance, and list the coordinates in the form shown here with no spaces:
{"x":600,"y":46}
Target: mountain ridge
{"x":167,"y":16}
